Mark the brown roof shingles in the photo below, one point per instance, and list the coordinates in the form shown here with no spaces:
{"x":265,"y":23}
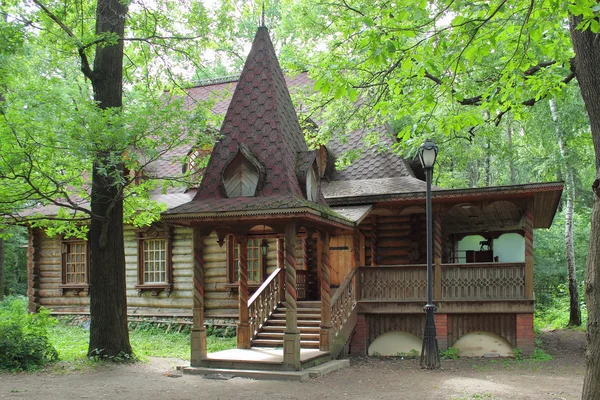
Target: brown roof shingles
{"x":260,"y":115}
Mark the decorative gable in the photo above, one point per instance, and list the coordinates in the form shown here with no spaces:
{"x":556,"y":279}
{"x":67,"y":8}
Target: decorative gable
{"x":242,"y":174}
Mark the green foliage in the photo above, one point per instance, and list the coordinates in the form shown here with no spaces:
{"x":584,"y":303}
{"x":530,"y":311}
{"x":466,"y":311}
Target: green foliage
{"x":24,"y":341}
{"x":551,"y":286}
{"x":221,"y":331}
{"x":15,"y":261}
{"x":518,"y":354}
{"x":555,"y":314}
{"x":450,"y":354}
{"x":540,"y":355}
{"x":476,"y":396}
{"x":146,"y":341}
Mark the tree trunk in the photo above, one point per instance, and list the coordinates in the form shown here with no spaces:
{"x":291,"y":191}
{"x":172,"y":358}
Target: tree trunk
{"x":587,"y":59}
{"x":574,"y":306}
{"x":109,"y":336}
{"x":511,"y":159}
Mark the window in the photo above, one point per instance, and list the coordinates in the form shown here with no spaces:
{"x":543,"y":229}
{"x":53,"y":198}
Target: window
{"x":255,"y":264}
{"x":75,"y":266}
{"x":196,"y":163}
{"x":154,"y":260}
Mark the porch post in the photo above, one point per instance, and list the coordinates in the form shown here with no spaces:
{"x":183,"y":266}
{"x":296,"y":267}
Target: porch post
{"x":291,"y":337}
{"x":374,"y":242}
{"x":198,"y":336}
{"x":243,"y":332}
{"x":437,"y":255}
{"x":529,"y":251}
{"x":325,"y":333}
{"x":281,"y":265}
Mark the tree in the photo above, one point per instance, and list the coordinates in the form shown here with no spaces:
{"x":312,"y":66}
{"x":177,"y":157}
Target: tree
{"x":574,"y":306}
{"x":56,"y":143}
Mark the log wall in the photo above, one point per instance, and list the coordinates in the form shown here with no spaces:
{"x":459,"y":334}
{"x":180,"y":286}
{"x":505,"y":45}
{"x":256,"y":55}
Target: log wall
{"x":46,"y":260}
{"x":399,"y":239}
{"x":44,"y":265}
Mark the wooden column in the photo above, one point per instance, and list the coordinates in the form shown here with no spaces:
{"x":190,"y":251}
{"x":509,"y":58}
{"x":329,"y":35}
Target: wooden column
{"x":281,"y":265}
{"x":437,"y":255}
{"x":198,"y":336}
{"x":529,"y":250}
{"x":326,"y":330}
{"x":291,"y":336}
{"x":243,"y":332}
{"x":374,"y":242}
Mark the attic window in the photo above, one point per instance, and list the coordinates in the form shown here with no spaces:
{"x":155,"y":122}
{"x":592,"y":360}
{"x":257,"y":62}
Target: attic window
{"x":240,"y":179}
{"x":196,"y":163}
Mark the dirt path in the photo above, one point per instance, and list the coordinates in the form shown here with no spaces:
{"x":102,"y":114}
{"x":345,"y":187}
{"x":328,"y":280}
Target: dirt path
{"x":560,"y":378}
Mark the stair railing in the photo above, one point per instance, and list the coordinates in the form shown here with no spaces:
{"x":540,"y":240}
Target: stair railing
{"x":342,"y":303}
{"x":264,"y":301}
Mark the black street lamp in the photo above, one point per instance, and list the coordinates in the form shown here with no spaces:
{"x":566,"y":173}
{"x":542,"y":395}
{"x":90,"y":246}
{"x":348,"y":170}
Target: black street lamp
{"x":430,"y":356}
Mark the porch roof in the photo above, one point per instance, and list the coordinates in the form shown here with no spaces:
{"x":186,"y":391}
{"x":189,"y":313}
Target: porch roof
{"x":403,"y":190}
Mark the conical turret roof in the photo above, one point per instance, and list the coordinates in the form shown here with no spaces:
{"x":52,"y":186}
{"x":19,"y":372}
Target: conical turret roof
{"x":260,"y":123}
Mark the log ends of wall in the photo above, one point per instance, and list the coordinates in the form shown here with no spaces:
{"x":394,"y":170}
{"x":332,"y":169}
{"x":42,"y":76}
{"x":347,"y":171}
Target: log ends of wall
{"x":33,"y":270}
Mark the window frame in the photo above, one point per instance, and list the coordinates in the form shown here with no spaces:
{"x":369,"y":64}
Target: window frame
{"x":154,"y":232}
{"x":76,"y":287}
{"x":232,"y":264}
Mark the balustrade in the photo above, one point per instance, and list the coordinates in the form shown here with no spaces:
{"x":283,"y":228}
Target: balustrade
{"x":394,"y":282}
{"x":483,"y":281}
{"x":262,"y":304}
{"x":472,"y":281}
{"x":343,"y":302}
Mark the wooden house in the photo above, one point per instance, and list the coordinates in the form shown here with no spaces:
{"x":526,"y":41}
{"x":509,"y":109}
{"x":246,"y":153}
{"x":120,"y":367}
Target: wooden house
{"x":302,"y":256}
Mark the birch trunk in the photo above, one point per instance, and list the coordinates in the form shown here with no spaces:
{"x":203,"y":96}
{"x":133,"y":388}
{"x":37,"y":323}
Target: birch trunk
{"x":574,"y":306}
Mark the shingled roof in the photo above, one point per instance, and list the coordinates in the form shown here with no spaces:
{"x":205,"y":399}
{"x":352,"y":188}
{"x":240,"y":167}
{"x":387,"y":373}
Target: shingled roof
{"x":260,"y":117}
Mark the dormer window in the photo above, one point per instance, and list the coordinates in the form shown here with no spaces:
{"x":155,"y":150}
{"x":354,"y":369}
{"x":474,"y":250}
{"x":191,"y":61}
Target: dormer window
{"x":242,"y":174}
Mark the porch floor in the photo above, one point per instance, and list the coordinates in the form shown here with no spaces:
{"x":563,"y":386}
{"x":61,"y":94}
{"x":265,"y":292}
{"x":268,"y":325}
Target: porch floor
{"x":261,"y":355}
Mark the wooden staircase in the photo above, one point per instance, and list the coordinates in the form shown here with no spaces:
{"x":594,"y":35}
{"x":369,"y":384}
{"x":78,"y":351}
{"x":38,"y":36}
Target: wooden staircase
{"x":309,"y":321}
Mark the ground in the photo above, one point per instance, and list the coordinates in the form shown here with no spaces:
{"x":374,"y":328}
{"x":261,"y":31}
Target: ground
{"x":367,"y":378}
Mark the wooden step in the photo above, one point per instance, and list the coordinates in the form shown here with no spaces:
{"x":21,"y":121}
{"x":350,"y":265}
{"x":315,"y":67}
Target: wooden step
{"x":305,"y":344}
{"x":281,"y":328}
{"x":304,"y":304}
{"x":279,"y":336}
{"x":301,"y":322}
{"x":299,"y":316}
{"x":301,"y":310}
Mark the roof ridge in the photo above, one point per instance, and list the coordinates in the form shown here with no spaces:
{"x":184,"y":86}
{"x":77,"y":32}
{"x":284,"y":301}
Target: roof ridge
{"x":215,"y":81}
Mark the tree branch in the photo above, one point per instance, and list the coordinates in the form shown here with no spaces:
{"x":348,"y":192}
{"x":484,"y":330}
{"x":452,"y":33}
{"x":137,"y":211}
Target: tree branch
{"x":85,"y":65}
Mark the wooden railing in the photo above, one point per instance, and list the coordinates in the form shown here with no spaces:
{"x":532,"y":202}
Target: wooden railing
{"x":483,"y":281}
{"x":264,"y":301}
{"x":471,"y":281}
{"x":393,"y":282}
{"x":343,"y":302}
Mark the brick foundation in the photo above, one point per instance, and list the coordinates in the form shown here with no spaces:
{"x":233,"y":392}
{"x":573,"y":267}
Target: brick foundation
{"x":525,"y":339}
{"x":441,"y":330}
{"x":358,"y":343}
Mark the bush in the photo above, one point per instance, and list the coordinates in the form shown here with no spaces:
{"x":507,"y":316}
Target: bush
{"x":450,"y":354}
{"x":24,"y":342}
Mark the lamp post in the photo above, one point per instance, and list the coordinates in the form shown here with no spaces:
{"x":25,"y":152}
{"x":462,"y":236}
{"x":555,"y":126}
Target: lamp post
{"x":430,"y":356}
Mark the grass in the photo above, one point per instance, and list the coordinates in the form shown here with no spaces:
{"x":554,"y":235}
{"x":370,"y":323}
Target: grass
{"x":71,"y":342}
